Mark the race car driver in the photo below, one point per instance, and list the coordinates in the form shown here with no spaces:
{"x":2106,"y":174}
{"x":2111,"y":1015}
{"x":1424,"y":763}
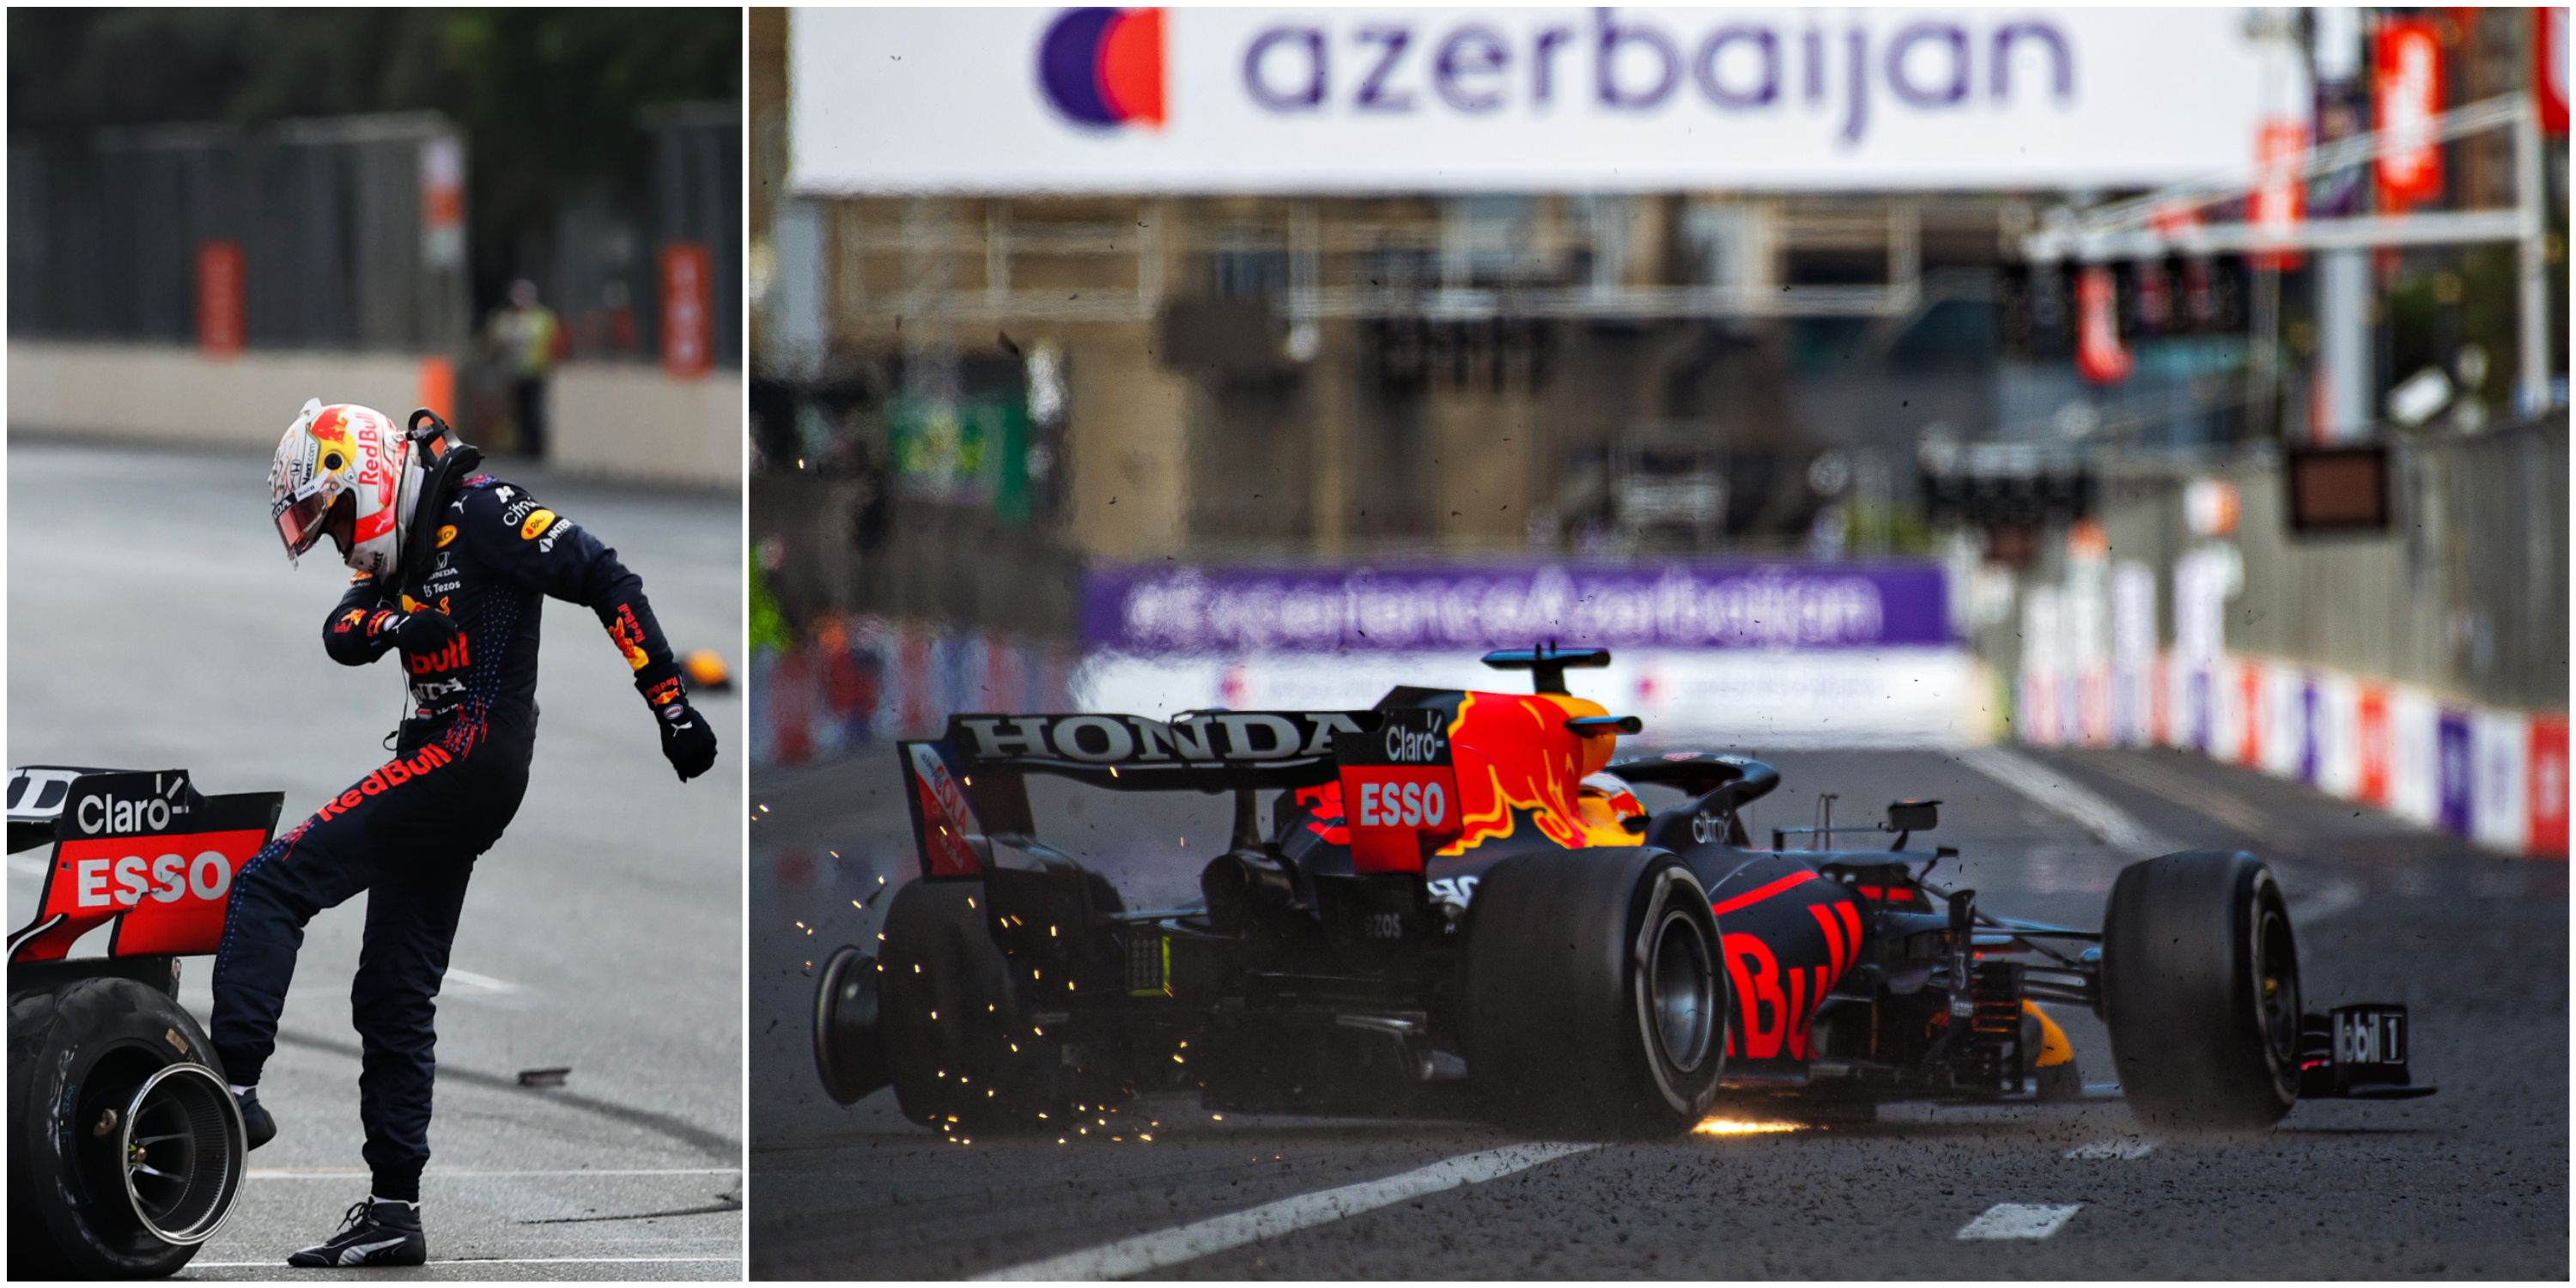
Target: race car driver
{"x":1608,"y":809}
{"x":451,"y":570}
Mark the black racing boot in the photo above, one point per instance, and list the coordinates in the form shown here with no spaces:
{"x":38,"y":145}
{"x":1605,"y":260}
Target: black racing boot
{"x":376,"y":1232}
{"x":257,"y":1126}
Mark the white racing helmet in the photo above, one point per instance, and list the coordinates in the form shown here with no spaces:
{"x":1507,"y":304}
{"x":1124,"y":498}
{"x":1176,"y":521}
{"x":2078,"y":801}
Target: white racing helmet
{"x":343,"y":464}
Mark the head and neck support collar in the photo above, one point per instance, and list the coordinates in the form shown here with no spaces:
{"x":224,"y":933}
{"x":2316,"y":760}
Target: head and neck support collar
{"x":443,"y":462}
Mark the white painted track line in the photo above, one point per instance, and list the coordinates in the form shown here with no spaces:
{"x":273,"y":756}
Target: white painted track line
{"x":2110,"y":824}
{"x":1286,"y":1216}
{"x":2121,"y":830}
{"x":499,"y":1261}
{"x":344,"y":1173}
{"x":2019,"y":1221}
{"x":2336,"y":898}
{"x":474,"y":982}
{"x":2113,"y":1149}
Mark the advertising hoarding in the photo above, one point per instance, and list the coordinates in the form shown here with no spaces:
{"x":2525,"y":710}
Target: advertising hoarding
{"x":1341,"y":100}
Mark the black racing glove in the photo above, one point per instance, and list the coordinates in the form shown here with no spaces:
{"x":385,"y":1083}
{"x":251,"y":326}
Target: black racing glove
{"x":688,"y":741}
{"x":423,"y":632}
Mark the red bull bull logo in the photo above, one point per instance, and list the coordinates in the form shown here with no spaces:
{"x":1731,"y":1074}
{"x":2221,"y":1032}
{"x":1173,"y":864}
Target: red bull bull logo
{"x":330,"y":432}
{"x":1516,"y":758}
{"x":629,"y":637}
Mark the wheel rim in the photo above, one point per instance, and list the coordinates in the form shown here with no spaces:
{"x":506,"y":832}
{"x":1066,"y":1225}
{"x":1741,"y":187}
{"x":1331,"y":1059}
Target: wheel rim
{"x":845,"y":1027}
{"x":1681,"y":995}
{"x":180,"y":1150}
{"x":2276,"y":982}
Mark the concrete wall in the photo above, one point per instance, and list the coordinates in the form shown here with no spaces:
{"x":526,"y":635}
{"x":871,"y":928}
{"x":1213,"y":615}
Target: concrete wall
{"x":622,"y":421}
{"x":171,"y":394}
{"x":611,"y":420}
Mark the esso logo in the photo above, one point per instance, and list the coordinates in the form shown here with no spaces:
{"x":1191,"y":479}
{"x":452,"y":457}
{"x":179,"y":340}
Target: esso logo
{"x":1412,"y":746}
{"x":1408,"y":805}
{"x":126,"y":882}
{"x":103,"y":814}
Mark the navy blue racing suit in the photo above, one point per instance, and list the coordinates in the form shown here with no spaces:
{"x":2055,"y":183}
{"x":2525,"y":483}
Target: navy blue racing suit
{"x":409,"y":832}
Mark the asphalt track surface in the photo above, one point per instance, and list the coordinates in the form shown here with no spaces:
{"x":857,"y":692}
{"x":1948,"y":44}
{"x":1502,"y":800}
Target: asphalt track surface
{"x":2471,"y":1183}
{"x":153,"y":623}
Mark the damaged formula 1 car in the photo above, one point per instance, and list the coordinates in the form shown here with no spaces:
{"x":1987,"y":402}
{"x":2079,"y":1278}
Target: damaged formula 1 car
{"x":126,"y":1148}
{"x":1458,"y":906}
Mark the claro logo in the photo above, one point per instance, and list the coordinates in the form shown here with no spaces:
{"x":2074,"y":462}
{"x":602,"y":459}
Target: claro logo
{"x":1103,"y":68}
{"x":102,"y":815}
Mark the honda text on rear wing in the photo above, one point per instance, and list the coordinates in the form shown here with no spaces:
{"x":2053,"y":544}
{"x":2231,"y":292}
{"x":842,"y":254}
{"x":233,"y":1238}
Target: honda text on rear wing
{"x":969,"y":787}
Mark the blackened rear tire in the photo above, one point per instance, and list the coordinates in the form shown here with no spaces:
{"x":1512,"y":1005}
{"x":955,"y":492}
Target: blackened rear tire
{"x":1596,"y":994}
{"x":78,"y":1055}
{"x":849,"y":1052}
{"x":2200,"y":991}
{"x":958,"y":1044}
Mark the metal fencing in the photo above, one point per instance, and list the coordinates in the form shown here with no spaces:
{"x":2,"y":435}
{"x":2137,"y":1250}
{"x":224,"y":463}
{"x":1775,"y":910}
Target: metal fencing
{"x":349,"y":233}
{"x":607,"y":276}
{"x":697,"y":197}
{"x":2466,"y":596}
{"x":337,"y":240}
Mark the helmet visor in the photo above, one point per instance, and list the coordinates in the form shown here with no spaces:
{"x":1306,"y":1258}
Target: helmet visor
{"x":302,"y":520}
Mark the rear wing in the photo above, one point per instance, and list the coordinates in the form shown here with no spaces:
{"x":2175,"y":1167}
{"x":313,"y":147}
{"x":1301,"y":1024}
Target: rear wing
{"x":970,"y":785}
{"x":141,"y":849}
{"x":36,"y":796}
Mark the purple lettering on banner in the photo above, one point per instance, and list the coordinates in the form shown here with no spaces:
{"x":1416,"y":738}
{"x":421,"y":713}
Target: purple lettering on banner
{"x":1814,"y":41}
{"x":2061,"y":63}
{"x":1544,"y":85}
{"x":1858,"y":74}
{"x":2308,"y":730}
{"x":1606,"y":63}
{"x":1473,"y":608}
{"x":1373,"y":97}
{"x":1470,"y":51}
{"x":1706,"y":67}
{"x":2199,"y":718}
{"x":1260,"y":88}
{"x":1951,"y":94}
{"x":2454,"y":771}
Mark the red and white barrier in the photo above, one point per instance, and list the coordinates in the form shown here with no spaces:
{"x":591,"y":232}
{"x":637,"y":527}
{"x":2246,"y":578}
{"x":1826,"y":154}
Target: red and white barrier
{"x":2414,"y":769}
{"x":2545,"y":788}
{"x":2338,"y":735}
{"x":2497,"y":777}
{"x":2500,"y":743}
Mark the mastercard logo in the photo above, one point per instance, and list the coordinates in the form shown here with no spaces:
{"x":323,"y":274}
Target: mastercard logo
{"x":1103,"y":68}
